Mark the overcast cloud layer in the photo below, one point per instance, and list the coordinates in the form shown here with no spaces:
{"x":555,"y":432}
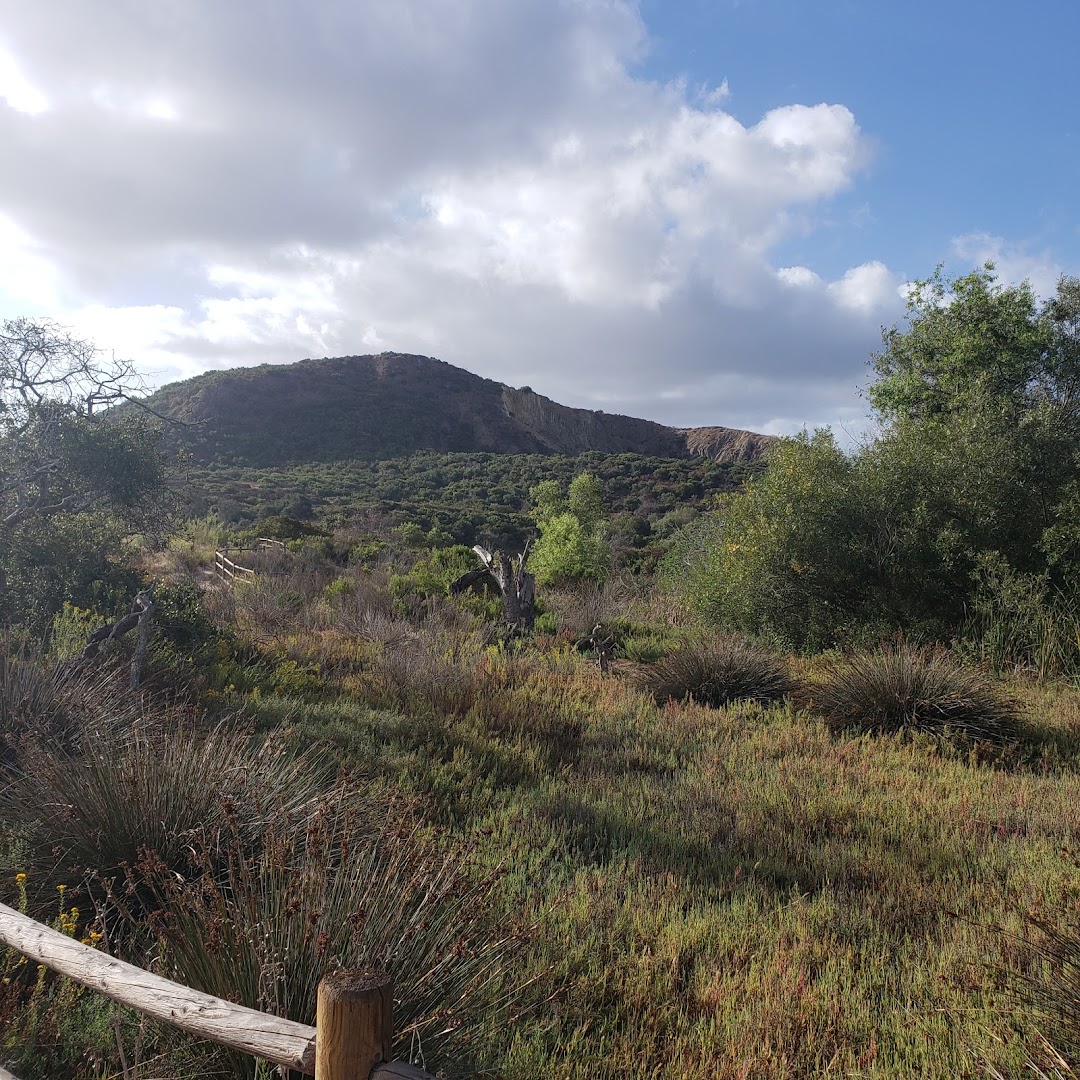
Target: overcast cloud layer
{"x":197,"y":184}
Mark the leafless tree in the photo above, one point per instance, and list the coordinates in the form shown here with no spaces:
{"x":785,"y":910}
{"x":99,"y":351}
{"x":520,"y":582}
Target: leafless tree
{"x":58,"y":453}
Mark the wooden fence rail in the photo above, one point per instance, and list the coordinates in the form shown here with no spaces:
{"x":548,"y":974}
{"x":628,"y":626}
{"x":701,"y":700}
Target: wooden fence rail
{"x":227,"y":570}
{"x":354,"y":1021}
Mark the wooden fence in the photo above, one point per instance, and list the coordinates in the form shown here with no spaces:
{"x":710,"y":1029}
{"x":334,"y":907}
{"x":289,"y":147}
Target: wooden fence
{"x":353,"y":1031}
{"x":229,"y":571}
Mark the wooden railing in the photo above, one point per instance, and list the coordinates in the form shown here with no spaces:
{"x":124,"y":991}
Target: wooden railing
{"x":353,"y":1031}
{"x":228,"y":570}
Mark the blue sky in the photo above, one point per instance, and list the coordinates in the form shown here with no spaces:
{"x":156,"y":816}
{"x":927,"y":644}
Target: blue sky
{"x":972,"y":106}
{"x":701,"y":213}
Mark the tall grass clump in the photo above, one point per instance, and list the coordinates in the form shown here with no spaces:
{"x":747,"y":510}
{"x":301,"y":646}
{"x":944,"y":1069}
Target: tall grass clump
{"x":716,"y":672}
{"x":1019,"y":622}
{"x":1046,"y":978}
{"x":354,"y":885}
{"x":94,"y":776}
{"x":42,"y":701}
{"x":912,"y":688}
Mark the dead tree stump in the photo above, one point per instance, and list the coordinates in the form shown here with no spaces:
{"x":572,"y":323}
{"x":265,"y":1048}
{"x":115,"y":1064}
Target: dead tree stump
{"x":516,"y":585}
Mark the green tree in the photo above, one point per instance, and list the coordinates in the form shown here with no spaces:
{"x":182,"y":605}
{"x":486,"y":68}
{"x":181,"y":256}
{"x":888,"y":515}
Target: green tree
{"x":778,"y":558}
{"x":573,"y":543}
{"x":77,"y":473}
{"x":966,"y":341}
{"x":978,"y":459}
{"x":983,"y":389}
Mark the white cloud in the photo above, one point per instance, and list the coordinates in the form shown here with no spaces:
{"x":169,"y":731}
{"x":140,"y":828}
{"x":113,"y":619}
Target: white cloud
{"x":146,"y":332}
{"x":223,"y":183}
{"x":17,"y":90}
{"x":800,"y":277}
{"x":867,"y":288}
{"x":29,"y":282}
{"x":1013,"y":262}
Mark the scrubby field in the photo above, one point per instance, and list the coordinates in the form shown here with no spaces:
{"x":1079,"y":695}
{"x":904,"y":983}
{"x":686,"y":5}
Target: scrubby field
{"x":677,"y":890}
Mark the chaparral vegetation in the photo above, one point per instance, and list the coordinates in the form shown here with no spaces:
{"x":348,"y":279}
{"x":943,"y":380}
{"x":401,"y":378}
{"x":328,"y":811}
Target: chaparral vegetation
{"x":781,"y":782}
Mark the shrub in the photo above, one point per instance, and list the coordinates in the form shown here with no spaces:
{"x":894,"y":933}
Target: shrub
{"x":71,"y":630}
{"x":1022,"y":622}
{"x":95,"y":779}
{"x":716,"y":672}
{"x":908,"y":688}
{"x":580,"y":606}
{"x":350,"y":886}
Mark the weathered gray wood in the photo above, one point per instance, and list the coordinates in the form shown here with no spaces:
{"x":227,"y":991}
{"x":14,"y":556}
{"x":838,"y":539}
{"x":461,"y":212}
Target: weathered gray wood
{"x":146,"y":621}
{"x":516,"y":584}
{"x":5,"y":1075}
{"x":227,"y":569}
{"x":283,"y":1042}
{"x":141,"y":615}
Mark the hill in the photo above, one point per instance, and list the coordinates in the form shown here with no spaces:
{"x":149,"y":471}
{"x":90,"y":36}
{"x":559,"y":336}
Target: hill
{"x":395,"y":404}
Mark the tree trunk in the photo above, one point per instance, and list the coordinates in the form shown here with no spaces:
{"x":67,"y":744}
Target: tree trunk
{"x":141,"y":616}
{"x":516,"y":585}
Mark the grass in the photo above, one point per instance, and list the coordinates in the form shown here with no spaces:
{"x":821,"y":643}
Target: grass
{"x":718,"y":671}
{"x":737,"y":892}
{"x":902,"y":687}
{"x":1046,"y":976}
{"x":354,"y":887}
{"x":747,"y":891}
{"x":144,"y":779}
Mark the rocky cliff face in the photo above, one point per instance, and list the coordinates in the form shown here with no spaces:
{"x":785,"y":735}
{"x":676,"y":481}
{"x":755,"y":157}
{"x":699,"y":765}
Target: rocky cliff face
{"x":726,"y":444}
{"x":392,"y":404}
{"x":562,"y":430}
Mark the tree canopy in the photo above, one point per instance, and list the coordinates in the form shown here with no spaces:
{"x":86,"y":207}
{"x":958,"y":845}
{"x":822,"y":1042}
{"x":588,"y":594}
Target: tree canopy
{"x":976,"y":466}
{"x":77,"y":472}
{"x":573,"y":543}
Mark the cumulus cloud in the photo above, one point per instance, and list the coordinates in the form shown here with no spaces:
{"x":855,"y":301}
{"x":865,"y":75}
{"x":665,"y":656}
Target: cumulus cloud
{"x":200,"y":184}
{"x":1013,"y":263}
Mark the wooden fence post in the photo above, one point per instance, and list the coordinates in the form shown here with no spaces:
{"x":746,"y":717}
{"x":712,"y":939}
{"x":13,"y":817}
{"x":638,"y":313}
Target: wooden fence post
{"x":354,"y":1024}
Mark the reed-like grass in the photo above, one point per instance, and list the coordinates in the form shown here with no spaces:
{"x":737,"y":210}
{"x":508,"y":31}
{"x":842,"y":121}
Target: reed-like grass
{"x":1046,"y":977}
{"x":717,"y":671}
{"x":902,"y":687}
{"x":96,"y":776}
{"x":353,"y":887}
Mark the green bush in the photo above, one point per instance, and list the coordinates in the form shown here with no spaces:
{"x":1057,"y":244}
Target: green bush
{"x":1023,"y":622}
{"x":717,"y":672}
{"x":907,"y":688}
{"x":280,"y":527}
{"x":71,"y":629}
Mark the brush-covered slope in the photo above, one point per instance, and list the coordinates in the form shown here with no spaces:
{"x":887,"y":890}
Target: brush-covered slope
{"x":395,"y":404}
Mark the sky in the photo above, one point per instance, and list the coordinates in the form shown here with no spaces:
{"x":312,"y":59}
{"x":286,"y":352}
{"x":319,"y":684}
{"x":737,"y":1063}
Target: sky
{"x":696,"y":211}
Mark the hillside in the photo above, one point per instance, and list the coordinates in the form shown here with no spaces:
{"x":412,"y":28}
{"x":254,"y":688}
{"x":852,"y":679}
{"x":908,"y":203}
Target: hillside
{"x":394,"y":404}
